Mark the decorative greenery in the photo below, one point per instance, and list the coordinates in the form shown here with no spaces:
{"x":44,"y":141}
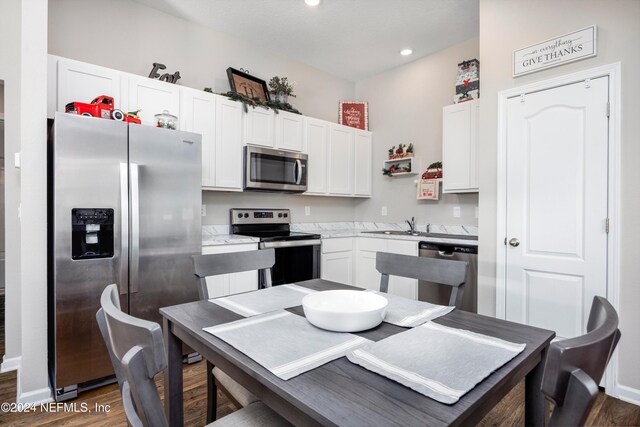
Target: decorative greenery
{"x":387,"y":172}
{"x":256,"y":102}
{"x":281,"y":85}
{"x":435,"y":165}
{"x":392,"y":150}
{"x":410,"y":148}
{"x":400,"y":149}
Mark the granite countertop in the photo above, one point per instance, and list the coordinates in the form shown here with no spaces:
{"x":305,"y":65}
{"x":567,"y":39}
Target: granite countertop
{"x":213,"y":235}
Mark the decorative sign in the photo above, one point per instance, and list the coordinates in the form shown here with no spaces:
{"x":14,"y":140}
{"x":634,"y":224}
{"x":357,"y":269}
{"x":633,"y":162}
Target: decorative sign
{"x":570,"y":47}
{"x":166,"y":77}
{"x":354,"y":114}
{"x":244,"y":83}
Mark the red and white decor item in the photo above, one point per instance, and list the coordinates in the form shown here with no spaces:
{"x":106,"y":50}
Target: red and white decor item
{"x":467,"y":81}
{"x":354,"y":114}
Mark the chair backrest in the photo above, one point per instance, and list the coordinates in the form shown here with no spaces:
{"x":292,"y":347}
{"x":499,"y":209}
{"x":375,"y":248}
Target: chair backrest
{"x":115,"y":362}
{"x":575,"y":366}
{"x":235,"y":262}
{"x":442,"y":271}
{"x":139,"y":346}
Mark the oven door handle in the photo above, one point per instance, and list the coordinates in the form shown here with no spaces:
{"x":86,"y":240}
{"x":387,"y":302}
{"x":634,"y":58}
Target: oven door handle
{"x":290,"y":244}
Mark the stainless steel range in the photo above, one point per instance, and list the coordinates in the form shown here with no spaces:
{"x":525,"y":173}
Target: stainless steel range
{"x":297,"y":254}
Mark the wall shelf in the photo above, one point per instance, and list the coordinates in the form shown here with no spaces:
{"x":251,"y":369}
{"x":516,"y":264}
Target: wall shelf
{"x":406,"y":166}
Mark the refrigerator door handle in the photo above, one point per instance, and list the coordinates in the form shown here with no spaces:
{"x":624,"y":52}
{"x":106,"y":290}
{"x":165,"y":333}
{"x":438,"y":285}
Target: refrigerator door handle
{"x":124,"y":229}
{"x":135,"y":230}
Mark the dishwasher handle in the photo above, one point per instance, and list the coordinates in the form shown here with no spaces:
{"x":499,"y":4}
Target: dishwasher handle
{"x":445,"y":254}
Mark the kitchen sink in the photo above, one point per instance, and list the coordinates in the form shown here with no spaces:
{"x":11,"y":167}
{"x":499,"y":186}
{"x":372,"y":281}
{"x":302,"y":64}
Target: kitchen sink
{"x":423,"y":234}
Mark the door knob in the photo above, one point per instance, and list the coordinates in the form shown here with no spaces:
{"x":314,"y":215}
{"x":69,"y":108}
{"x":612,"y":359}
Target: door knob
{"x":514,"y":242}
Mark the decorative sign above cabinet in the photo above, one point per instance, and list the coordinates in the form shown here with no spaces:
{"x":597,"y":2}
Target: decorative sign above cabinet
{"x":567,"y":48}
{"x":166,"y":77}
{"x":354,"y":114}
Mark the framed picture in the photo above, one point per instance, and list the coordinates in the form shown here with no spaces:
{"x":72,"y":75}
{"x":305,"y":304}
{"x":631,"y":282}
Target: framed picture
{"x":248,"y":85}
{"x":354,"y":114}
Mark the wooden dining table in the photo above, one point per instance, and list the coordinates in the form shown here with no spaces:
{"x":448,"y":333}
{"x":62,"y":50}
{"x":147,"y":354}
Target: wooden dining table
{"x":341,"y":393}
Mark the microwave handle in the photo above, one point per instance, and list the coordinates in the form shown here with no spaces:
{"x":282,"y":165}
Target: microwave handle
{"x":298,"y":171}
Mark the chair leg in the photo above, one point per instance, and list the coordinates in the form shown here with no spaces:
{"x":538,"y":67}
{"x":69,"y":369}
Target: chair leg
{"x":212,"y":394}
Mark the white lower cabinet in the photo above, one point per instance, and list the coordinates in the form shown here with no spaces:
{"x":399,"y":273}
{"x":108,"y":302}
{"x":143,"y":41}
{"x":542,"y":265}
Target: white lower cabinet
{"x":229,"y":284}
{"x":337,"y":260}
{"x":367,"y":276}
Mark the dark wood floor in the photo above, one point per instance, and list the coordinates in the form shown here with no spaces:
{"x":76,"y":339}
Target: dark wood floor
{"x":510,"y":412}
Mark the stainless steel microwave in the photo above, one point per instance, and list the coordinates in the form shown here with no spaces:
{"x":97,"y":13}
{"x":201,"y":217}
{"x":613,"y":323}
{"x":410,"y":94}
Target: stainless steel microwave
{"x":266,"y":169}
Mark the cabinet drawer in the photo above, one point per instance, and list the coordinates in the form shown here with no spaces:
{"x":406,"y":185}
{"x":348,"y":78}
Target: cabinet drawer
{"x":224,"y":249}
{"x":372,"y":245}
{"x":403,"y":247}
{"x":337,"y":245}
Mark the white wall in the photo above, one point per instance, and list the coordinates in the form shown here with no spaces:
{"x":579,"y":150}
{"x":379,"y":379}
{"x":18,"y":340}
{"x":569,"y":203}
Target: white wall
{"x":508,"y":25}
{"x":23,"y":28}
{"x":405,"y":106}
{"x":139,"y":36}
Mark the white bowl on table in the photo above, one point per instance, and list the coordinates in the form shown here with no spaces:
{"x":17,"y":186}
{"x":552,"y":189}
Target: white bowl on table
{"x":345,"y":311}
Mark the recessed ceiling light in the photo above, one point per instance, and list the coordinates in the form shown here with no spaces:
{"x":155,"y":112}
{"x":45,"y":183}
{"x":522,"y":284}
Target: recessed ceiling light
{"x":312,"y":2}
{"x":406,"y":52}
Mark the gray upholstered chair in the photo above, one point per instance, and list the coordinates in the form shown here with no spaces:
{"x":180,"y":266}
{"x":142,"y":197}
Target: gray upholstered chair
{"x":442,"y":271}
{"x":574,"y":367}
{"x":139,"y":347}
{"x":228,"y":263}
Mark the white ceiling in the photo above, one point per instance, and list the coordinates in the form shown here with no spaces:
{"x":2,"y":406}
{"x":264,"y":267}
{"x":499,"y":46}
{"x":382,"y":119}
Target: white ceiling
{"x":352,"y":39}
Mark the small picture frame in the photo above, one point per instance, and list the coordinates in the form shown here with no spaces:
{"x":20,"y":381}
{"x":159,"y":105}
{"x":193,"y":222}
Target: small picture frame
{"x":428,"y":189}
{"x":246,"y":84}
{"x":354,"y":114}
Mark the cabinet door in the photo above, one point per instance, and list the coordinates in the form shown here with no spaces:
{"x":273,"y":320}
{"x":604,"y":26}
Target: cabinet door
{"x":152,"y":97}
{"x":289,"y":131}
{"x":338,"y":267}
{"x":228,"y":144}
{"x":363,"y":153}
{"x":403,"y":286}
{"x":459,"y":147}
{"x":341,"y":160}
{"x":367,"y":276}
{"x":229,"y":284}
{"x":198,"y":114}
{"x":316,"y":137}
{"x":259,"y":127}
{"x":80,"y":82}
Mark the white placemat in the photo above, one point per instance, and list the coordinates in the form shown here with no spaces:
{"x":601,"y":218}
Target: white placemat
{"x":440,"y":362}
{"x":410,"y":313}
{"x":264,"y":300}
{"x":284,"y":343}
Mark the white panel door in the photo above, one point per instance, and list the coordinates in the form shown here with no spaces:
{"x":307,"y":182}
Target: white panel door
{"x":403,"y":286}
{"x":363,"y":158}
{"x":289,"y":131}
{"x":259,"y":127}
{"x":198,"y":114}
{"x":152,"y":97}
{"x":80,"y":82}
{"x":341,"y":160}
{"x":556,"y":258}
{"x":338,"y":267}
{"x":228,"y":162}
{"x":316,"y":139}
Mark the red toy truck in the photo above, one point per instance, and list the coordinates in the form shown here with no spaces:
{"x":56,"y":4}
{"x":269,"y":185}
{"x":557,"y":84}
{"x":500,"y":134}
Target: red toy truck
{"x":101,"y":107}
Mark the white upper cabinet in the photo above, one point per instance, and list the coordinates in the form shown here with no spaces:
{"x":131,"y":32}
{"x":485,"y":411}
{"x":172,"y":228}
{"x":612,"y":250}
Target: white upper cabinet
{"x":289,"y":131}
{"x":259,"y":127}
{"x":228,"y":163}
{"x":363,"y":153}
{"x":460,"y":148}
{"x":81,"y":82}
{"x":340,"y":161}
{"x":316,"y":141}
{"x":152,"y":97}
{"x":197,"y":114}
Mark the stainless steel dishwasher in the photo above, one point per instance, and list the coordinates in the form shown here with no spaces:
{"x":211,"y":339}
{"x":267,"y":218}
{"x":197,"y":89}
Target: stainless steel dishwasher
{"x":439,"y":294}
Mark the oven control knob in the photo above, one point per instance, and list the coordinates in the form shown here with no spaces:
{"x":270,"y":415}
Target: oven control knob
{"x":280,"y":215}
{"x":286,"y":215}
{"x":239,"y":215}
{"x":246,"y":215}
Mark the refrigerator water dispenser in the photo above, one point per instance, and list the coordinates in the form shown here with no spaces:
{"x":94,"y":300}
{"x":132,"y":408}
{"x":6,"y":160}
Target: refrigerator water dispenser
{"x":91,"y":233}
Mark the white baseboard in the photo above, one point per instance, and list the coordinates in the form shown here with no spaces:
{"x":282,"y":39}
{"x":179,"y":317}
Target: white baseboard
{"x":628,"y":394}
{"x":10,"y":364}
{"x":35,"y":397}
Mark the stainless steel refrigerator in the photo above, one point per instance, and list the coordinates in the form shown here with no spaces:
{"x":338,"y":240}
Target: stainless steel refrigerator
{"x":124,"y":207}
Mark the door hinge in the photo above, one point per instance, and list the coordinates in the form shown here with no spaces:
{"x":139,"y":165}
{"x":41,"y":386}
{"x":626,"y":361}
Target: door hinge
{"x":505,"y":241}
{"x":606,"y":225}
{"x":608,"y":109}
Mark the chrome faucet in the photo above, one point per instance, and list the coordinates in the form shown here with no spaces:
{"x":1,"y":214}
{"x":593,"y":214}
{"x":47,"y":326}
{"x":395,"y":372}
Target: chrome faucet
{"x":412,"y":224}
{"x":428,"y":228}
